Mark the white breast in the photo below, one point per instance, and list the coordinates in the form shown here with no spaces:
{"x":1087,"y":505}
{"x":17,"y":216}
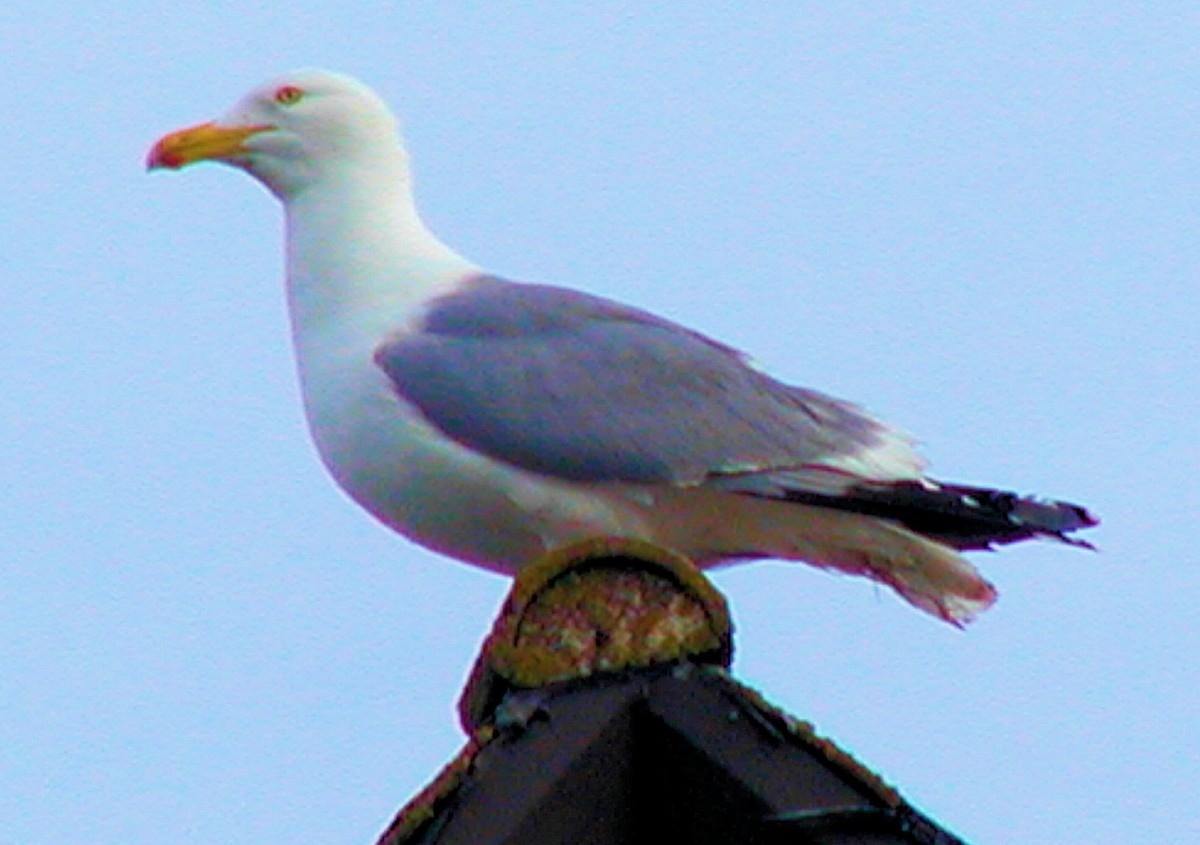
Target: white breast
{"x":386,"y":457}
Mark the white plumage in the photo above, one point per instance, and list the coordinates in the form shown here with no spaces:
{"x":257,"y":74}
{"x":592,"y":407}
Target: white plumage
{"x":494,"y":421}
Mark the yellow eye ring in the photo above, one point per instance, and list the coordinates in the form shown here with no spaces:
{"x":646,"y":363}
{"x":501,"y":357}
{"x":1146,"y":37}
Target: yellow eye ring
{"x":288,"y":95}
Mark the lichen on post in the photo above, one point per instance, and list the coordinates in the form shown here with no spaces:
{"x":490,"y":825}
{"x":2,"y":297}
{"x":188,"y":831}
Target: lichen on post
{"x":599,"y":606}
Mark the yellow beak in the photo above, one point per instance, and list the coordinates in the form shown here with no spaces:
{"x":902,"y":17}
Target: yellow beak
{"x":205,"y":142}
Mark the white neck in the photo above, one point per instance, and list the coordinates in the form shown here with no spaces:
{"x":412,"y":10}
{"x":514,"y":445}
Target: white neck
{"x":359,"y":254}
{"x":361,"y":265}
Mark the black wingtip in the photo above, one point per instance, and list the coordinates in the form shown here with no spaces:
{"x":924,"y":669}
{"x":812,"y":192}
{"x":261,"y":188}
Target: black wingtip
{"x":1026,"y":517}
{"x":1051,"y":516}
{"x":962,"y":516}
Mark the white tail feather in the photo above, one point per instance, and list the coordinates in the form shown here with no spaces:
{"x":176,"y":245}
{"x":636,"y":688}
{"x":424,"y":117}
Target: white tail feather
{"x":714,"y":527}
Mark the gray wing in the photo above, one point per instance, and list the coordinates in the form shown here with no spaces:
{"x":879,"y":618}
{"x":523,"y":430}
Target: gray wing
{"x":578,"y":387}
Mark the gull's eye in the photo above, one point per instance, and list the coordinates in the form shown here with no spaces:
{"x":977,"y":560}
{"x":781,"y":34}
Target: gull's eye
{"x":288,"y":95}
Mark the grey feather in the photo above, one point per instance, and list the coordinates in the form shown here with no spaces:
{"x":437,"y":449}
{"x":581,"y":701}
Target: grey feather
{"x":579,"y":387}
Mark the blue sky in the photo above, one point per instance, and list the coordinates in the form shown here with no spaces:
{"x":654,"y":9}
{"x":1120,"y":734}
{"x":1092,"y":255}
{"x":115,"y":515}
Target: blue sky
{"x":977,"y":219}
